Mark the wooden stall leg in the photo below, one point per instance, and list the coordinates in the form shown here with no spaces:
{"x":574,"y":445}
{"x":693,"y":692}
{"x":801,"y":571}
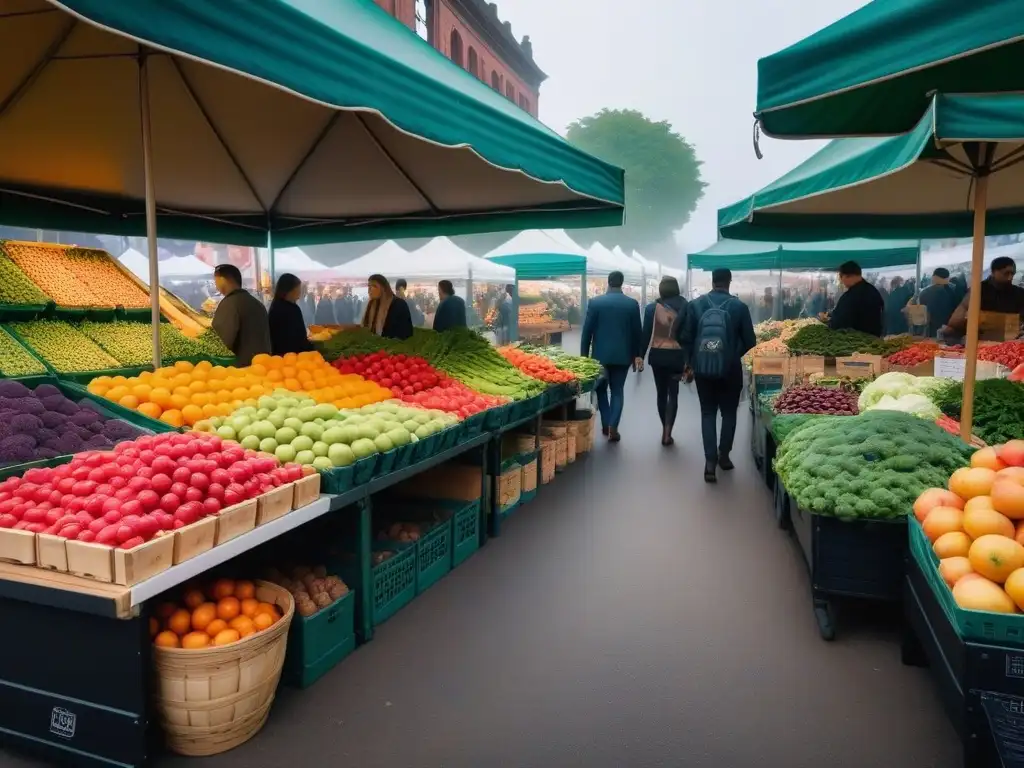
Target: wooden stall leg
{"x":364,"y":597}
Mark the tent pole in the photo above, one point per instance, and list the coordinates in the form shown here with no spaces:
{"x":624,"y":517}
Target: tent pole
{"x":917,"y":279}
{"x":147,"y":166}
{"x":270,"y":258}
{"x":583,"y":298}
{"x":974,"y":306}
{"x":778,"y":298}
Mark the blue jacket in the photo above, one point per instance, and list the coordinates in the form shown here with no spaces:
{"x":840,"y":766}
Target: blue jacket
{"x":451,"y":313}
{"x":612,"y":332}
{"x":741,"y":327}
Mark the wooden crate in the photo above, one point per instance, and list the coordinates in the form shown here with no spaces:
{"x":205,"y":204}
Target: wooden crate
{"x":547,"y":460}
{"x":274,"y":504}
{"x":234,"y":521}
{"x":306,"y":490}
{"x":195,"y":539}
{"x":17,"y":546}
{"x":121,"y":566}
{"x":51,"y":552}
{"x":529,"y":476}
{"x":510,"y":484}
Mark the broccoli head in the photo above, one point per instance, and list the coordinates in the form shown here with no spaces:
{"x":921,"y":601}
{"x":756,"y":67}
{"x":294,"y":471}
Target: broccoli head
{"x":10,"y":388}
{"x":25,"y":424}
{"x":46,"y":390}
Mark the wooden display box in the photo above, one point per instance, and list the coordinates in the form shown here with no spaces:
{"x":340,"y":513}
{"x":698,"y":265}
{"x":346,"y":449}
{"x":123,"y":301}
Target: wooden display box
{"x":306,"y":491}
{"x":232,"y":522}
{"x":274,"y":504}
{"x":772,"y":372}
{"x":459,"y":482}
{"x":998,"y":326}
{"x":859,"y":366}
{"x":120,"y":566}
{"x":17,"y":546}
{"x":193,"y":540}
{"x":51,"y":552}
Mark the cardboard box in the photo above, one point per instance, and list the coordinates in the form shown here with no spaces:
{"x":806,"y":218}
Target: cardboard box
{"x":803,"y":367}
{"x":859,"y":366}
{"x":955,"y":367}
{"x":998,"y":326}
{"x":771,"y":373}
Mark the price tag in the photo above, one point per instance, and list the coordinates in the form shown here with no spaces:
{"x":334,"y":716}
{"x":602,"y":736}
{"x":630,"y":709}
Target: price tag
{"x":950,"y":368}
{"x":1005,"y":716}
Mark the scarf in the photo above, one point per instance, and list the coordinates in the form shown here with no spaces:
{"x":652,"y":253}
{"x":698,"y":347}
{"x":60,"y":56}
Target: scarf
{"x":376,"y":313}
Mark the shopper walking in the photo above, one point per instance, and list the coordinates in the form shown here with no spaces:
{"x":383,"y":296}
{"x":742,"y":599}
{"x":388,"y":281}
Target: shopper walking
{"x":664,"y":321}
{"x":719,"y":332}
{"x":287,"y":327}
{"x":240,"y":319}
{"x":612,"y":336}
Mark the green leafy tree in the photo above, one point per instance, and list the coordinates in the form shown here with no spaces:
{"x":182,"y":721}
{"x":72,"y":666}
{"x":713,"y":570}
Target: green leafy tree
{"x":663,"y":182}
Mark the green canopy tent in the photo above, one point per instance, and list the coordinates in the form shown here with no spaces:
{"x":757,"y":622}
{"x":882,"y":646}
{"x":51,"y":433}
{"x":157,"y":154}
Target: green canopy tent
{"x":872,"y":72}
{"x":267,"y":122}
{"x":963,"y":154}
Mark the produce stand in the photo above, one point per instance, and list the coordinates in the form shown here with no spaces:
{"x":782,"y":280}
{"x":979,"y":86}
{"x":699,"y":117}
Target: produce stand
{"x":100,"y":711}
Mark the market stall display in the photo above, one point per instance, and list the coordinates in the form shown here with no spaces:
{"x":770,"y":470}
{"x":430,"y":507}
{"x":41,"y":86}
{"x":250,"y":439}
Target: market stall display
{"x":817,"y":399}
{"x":131,"y":343}
{"x":62,"y":346}
{"x":998,"y":407}
{"x":16,"y":360}
{"x":536,"y":366}
{"x":819,"y":339}
{"x":585,"y":369}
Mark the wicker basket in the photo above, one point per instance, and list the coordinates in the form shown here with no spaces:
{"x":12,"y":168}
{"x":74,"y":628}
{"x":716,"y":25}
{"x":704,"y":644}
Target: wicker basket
{"x":213,"y":699}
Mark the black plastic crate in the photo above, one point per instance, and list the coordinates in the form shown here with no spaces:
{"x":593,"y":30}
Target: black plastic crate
{"x":849,"y":559}
{"x":781,"y":506}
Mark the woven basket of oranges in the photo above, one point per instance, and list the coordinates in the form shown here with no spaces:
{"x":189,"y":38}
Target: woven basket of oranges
{"x":218,"y":658}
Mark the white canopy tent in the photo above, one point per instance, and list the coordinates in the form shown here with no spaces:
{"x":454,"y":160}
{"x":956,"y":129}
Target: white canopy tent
{"x":605,"y":261}
{"x":296,"y":261}
{"x":176,"y":267}
{"x":546,"y":241}
{"x":439,"y":259}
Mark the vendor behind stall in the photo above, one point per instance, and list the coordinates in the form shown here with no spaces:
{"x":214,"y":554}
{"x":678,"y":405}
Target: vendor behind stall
{"x":998,"y":294}
{"x":451,"y":311}
{"x":386,"y":314}
{"x":940,"y":299}
{"x":241,"y":319}
{"x":287,"y":328}
{"x":860,"y":307}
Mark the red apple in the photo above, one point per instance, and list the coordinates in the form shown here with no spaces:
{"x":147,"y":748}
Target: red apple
{"x":215,"y":491}
{"x":147,"y":527}
{"x":211,"y":506}
{"x":132,"y":543}
{"x":169,"y":502}
{"x":139,"y":484}
{"x":179,"y":489}
{"x":149,"y":500}
{"x":86,"y":536}
{"x":98,"y":525}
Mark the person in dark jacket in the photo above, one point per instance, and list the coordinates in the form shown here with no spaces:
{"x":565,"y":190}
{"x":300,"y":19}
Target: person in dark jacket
{"x":718,"y":393}
{"x":324,"y":314}
{"x":287,"y":328}
{"x":939,"y":299}
{"x":900,"y":294}
{"x":662,"y":333}
{"x":998,"y":294}
{"x":241,"y":318}
{"x":451,"y":311}
{"x":386,"y":314}
{"x":612,"y":336}
{"x":307,"y":304}
{"x":860,"y":307}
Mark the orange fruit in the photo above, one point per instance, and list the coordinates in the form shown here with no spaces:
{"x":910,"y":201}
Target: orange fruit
{"x":129,"y":401}
{"x":222,"y":588}
{"x":150,"y":409}
{"x":226,"y":637}
{"x":191,"y":414}
{"x":154,"y":627}
{"x":244,"y":589}
{"x":184,"y":366}
{"x":179,"y":401}
{"x":180,"y":622}
{"x":215,"y":627}
{"x":160,"y":396}
{"x":194,"y":598}
{"x":195,"y":640}
{"x":141,"y":391}
{"x":172,"y":417}
{"x":243,"y":625}
{"x":167,"y":639}
{"x":165,"y":610}
{"x":249,"y":606}
{"x":228,"y":608}
{"x":262,"y":621}
{"x":203,"y":615}
{"x":266,"y":608}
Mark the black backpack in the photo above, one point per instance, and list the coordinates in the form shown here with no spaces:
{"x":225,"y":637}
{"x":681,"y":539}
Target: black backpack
{"x":713,"y":353}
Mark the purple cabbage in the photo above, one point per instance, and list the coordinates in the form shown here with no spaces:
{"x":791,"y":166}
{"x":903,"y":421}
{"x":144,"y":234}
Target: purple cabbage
{"x":52,"y":420}
{"x":118,"y":430}
{"x":25,"y":423}
{"x":67,"y":407}
{"x":46,"y":390}
{"x":52,"y":402}
{"x":85,"y":417}
{"x":10,"y":388}
{"x":46,"y":453}
{"x":17,"y":448}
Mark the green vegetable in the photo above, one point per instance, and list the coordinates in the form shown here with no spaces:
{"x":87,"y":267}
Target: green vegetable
{"x":583,"y":368}
{"x":871,"y":466}
{"x":822,"y":340}
{"x":15,"y":360}
{"x":998,"y":407}
{"x":785,"y":424}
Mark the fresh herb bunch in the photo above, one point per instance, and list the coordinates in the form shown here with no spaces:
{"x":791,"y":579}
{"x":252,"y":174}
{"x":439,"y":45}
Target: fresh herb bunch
{"x":998,"y":408}
{"x":822,"y":340}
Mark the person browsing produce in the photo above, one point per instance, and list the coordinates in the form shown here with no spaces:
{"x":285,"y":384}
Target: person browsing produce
{"x":860,"y":307}
{"x":386,"y":314}
{"x":240,"y":319}
{"x":998,"y":294}
{"x":451,"y":311}
{"x":662,"y":331}
{"x":939,"y":299}
{"x":718,"y":333}
{"x":612,"y":336}
{"x":287,"y":327}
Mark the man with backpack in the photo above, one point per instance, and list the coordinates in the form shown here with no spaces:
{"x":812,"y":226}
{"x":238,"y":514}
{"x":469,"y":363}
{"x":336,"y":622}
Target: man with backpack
{"x":719,"y":332}
{"x":612,"y":336}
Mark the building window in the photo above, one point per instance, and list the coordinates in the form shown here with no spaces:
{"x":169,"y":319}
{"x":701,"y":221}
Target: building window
{"x":524,"y":103}
{"x":510,"y":92}
{"x":474,"y":64}
{"x":422,"y":20}
{"x":456,"y":48}
{"x":495,"y":81}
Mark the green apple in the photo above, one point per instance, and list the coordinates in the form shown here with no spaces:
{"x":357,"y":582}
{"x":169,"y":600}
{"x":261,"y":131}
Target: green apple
{"x":267,"y":402}
{"x":340,"y":455}
{"x":423,"y":431}
{"x":363,"y":448}
{"x":333,"y":435}
{"x":312,"y":430}
{"x":277,"y":418}
{"x":411,"y":425}
{"x":251,"y":442}
{"x":263,"y":429}
{"x":326,"y":411}
{"x":268,"y":445}
{"x":383,"y":443}
{"x":322,"y":463}
{"x":244,"y":432}
{"x":262,"y":413}
{"x":285,"y":453}
{"x":306,"y":414}
{"x":320,"y":448}
{"x":349,"y":434}
{"x":285,"y":435}
{"x":293,"y":423}
{"x":367,"y":432}
{"x":305,"y":457}
{"x":302,"y":443}
{"x":226,"y":432}
{"x":398,"y":436}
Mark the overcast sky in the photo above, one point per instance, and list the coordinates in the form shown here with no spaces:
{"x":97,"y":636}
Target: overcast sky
{"x":691,"y":62}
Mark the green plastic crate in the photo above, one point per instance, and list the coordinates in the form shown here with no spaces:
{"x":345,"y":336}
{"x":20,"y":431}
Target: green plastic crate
{"x":393,"y":582}
{"x":317,"y":643}
{"x":385,"y":463}
{"x":979,"y":626}
{"x":465,"y":530}
{"x":474,"y":424}
{"x":527,"y":496}
{"x":363,"y":470}
{"x":337,"y":479}
{"x":433,"y":555}
{"x":22,"y":312}
{"x":426,"y":447}
{"x":496,"y":417}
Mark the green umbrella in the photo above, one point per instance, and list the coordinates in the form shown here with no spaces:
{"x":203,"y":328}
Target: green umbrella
{"x":871,"y":73}
{"x":745,"y":255}
{"x":964,"y":153}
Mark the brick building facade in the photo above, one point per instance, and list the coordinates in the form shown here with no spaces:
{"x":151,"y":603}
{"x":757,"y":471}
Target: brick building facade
{"x":470,"y":33}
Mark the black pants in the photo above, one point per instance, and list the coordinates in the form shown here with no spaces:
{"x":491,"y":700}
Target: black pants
{"x":719,"y":395}
{"x":666,"y":380}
